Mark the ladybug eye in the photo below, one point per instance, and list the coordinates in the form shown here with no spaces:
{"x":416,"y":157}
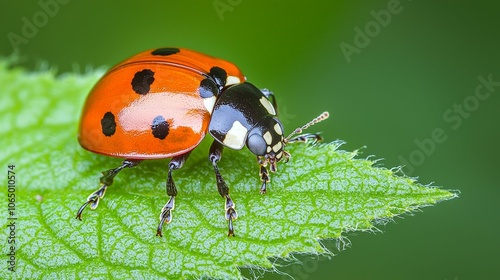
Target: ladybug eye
{"x":256,"y":144}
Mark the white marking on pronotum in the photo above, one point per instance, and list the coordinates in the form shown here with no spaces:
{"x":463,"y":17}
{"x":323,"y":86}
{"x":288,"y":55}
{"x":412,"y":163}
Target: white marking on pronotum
{"x":269,"y":107}
{"x":232,"y":80}
{"x":235,"y":137}
{"x":268,"y":138}
{"x":209,"y":103}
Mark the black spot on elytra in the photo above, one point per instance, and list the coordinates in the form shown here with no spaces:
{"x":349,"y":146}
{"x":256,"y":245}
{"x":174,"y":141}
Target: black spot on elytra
{"x":208,"y":88}
{"x":141,"y":83}
{"x":160,"y":127}
{"x":108,"y":124}
{"x":165,"y":51}
{"x":219,"y":75}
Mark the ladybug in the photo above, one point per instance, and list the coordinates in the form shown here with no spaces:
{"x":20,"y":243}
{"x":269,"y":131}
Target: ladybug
{"x":161,"y":103}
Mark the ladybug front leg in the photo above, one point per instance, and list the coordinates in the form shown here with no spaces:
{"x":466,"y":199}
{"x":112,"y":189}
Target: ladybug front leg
{"x":264,"y":177}
{"x":106,"y":181}
{"x":166,"y":212}
{"x":214,"y":157}
{"x":306,"y":137}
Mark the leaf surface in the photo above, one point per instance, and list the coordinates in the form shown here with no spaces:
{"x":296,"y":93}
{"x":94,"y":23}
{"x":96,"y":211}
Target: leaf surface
{"x":322,"y":192}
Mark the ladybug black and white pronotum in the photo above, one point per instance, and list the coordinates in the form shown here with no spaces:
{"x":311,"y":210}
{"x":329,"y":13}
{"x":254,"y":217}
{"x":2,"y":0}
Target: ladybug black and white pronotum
{"x":161,"y":103}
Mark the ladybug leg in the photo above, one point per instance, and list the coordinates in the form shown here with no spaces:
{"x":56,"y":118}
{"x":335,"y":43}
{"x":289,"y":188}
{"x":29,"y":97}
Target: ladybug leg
{"x":166,"y":212}
{"x":264,"y":177}
{"x":214,"y":156}
{"x":315,"y":137}
{"x":106,"y":181}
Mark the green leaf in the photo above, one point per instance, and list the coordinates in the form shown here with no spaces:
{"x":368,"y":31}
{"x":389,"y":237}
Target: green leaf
{"x":322,"y":192}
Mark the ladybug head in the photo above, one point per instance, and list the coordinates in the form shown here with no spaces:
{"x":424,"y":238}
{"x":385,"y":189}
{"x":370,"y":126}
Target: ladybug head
{"x":266,"y":139}
{"x":267,"y":142}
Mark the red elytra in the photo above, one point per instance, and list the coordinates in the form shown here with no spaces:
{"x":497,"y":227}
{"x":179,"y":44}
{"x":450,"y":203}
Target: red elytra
{"x":118,"y":118}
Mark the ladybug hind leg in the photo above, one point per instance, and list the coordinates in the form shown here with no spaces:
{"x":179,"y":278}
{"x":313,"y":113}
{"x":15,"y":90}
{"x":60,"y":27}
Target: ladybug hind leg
{"x":166,"y":212}
{"x":106,"y":181}
{"x":214,"y":157}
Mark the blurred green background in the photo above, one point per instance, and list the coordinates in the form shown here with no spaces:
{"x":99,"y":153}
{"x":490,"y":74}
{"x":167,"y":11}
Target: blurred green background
{"x":393,"y":74}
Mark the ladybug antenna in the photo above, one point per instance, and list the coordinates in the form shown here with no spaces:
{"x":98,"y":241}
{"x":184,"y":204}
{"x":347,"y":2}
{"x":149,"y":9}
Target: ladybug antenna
{"x":316,"y":120}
